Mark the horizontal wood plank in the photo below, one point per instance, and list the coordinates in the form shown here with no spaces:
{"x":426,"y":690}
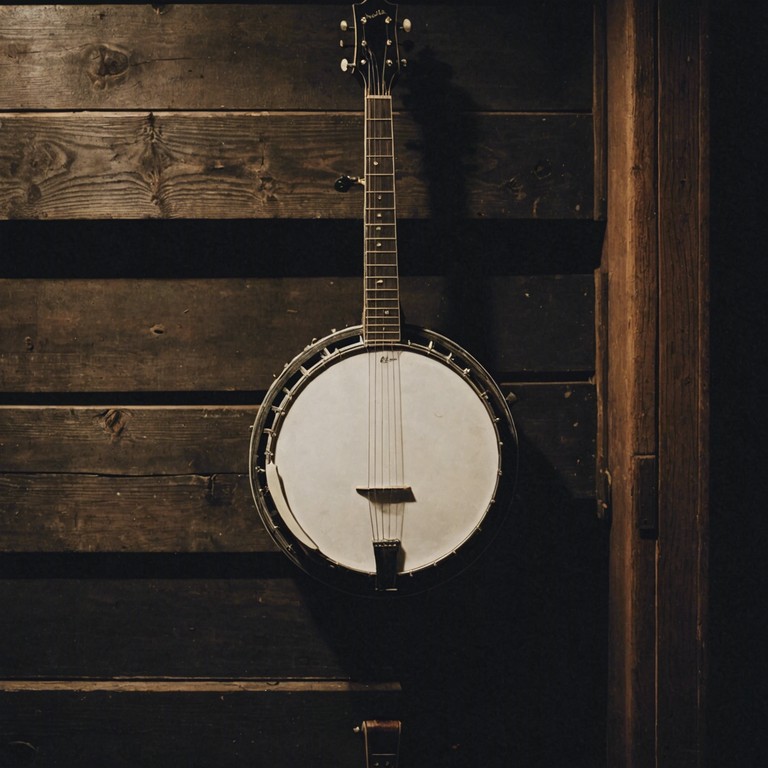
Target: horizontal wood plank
{"x":95,"y":513}
{"x":275,"y":727}
{"x":283,"y":165}
{"x":172,"y":628}
{"x":286,"y":56}
{"x":556,"y":419}
{"x":135,"y":479}
{"x":225,"y":335}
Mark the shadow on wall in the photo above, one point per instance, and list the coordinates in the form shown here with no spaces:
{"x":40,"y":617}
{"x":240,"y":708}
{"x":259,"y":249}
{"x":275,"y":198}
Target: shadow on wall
{"x":506,"y":663}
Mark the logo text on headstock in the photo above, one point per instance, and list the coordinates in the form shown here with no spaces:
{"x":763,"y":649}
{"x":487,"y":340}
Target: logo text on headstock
{"x":368,"y":16}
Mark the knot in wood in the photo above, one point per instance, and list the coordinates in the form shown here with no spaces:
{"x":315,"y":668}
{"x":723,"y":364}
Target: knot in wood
{"x":106,"y":66}
{"x":113,"y":422}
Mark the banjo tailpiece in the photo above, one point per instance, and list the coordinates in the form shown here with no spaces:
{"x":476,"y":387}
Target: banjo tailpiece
{"x":387,"y":554}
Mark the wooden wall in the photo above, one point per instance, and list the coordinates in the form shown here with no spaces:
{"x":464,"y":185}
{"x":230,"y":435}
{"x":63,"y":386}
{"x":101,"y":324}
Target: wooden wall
{"x":170,"y":238}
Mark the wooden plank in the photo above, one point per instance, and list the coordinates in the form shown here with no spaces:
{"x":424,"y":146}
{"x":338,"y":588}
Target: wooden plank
{"x":557,"y":420}
{"x":104,"y":165}
{"x":260,"y":56}
{"x":169,"y":628}
{"x":630,"y":256}
{"x":160,"y":513}
{"x":152,"y":479}
{"x":145,"y":335}
{"x":126,"y":440}
{"x":683,"y":383}
{"x":233,"y":728}
{"x":557,"y":426}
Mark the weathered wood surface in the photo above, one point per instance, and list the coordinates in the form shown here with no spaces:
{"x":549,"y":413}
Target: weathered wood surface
{"x":148,"y":627}
{"x":92,"y":513}
{"x":206,"y":440}
{"x":163,"y":335}
{"x":683,"y":371}
{"x":222,"y":56}
{"x":656,"y":265}
{"x":275,"y":727}
{"x":283,"y":165}
{"x":164,"y":479}
{"x":630,"y":259}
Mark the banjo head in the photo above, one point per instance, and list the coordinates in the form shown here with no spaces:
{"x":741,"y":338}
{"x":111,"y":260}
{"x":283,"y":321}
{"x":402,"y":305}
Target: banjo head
{"x":410,"y":445}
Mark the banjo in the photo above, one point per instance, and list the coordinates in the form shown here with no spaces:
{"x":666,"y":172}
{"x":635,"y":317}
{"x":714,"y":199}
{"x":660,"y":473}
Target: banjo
{"x":383,"y":457}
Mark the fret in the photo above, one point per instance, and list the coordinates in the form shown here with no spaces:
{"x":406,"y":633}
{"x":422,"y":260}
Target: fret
{"x":381,"y":294}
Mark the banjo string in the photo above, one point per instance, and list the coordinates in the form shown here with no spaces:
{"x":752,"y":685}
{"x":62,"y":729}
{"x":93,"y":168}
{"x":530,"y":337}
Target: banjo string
{"x":385,"y":444}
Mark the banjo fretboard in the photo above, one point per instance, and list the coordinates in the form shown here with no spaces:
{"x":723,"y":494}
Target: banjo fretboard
{"x":381,"y":301}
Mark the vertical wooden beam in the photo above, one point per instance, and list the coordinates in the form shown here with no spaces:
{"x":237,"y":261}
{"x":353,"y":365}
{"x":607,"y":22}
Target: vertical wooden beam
{"x":655,"y":262}
{"x":683,"y":212}
{"x":630,"y":260}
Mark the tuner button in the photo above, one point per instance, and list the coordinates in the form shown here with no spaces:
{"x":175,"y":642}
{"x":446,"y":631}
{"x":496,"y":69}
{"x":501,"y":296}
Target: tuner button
{"x":344,"y":25}
{"x":406,"y":26}
{"x":347,"y":66}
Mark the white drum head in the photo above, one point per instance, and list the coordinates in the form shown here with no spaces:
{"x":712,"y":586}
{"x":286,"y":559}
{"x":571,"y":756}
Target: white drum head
{"x":378,"y":419}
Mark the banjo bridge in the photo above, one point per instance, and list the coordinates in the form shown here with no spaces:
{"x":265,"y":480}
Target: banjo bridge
{"x":391,"y":494}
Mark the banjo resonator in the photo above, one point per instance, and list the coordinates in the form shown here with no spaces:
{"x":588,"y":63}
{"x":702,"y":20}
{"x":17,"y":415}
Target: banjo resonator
{"x":384,"y":456}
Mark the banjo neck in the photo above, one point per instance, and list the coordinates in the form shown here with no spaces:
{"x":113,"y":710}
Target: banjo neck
{"x":414,"y":433}
{"x":381,"y":299}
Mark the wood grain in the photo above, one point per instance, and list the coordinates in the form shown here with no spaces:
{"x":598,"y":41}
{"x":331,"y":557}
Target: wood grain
{"x":656,"y":259}
{"x":96,"y":513}
{"x":261,"y":56}
{"x":224,"y":335}
{"x":557,"y":420}
{"x":168,"y":628}
{"x":683,"y":384}
{"x":630,"y":261}
{"x":165,"y":479}
{"x":235,"y":728}
{"x":104,"y":165}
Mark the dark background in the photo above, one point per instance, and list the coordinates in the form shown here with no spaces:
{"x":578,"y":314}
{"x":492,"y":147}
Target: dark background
{"x":738,"y":700}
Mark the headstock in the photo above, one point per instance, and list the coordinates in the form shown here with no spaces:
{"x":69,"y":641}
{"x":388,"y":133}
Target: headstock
{"x":376,"y":58}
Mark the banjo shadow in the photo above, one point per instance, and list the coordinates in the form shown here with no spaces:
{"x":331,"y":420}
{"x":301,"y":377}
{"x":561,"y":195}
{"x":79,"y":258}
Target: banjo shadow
{"x":508,"y":657}
{"x":500,"y":662}
{"x":446,"y":116}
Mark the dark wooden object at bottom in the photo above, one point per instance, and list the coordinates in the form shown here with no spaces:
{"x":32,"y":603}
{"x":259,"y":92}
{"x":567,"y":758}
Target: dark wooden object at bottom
{"x":204,"y":723}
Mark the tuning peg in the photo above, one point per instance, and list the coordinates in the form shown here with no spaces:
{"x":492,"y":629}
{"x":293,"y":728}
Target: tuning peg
{"x":343,"y":25}
{"x":345,"y":183}
{"x":347,"y":66}
{"x":406,"y":26}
